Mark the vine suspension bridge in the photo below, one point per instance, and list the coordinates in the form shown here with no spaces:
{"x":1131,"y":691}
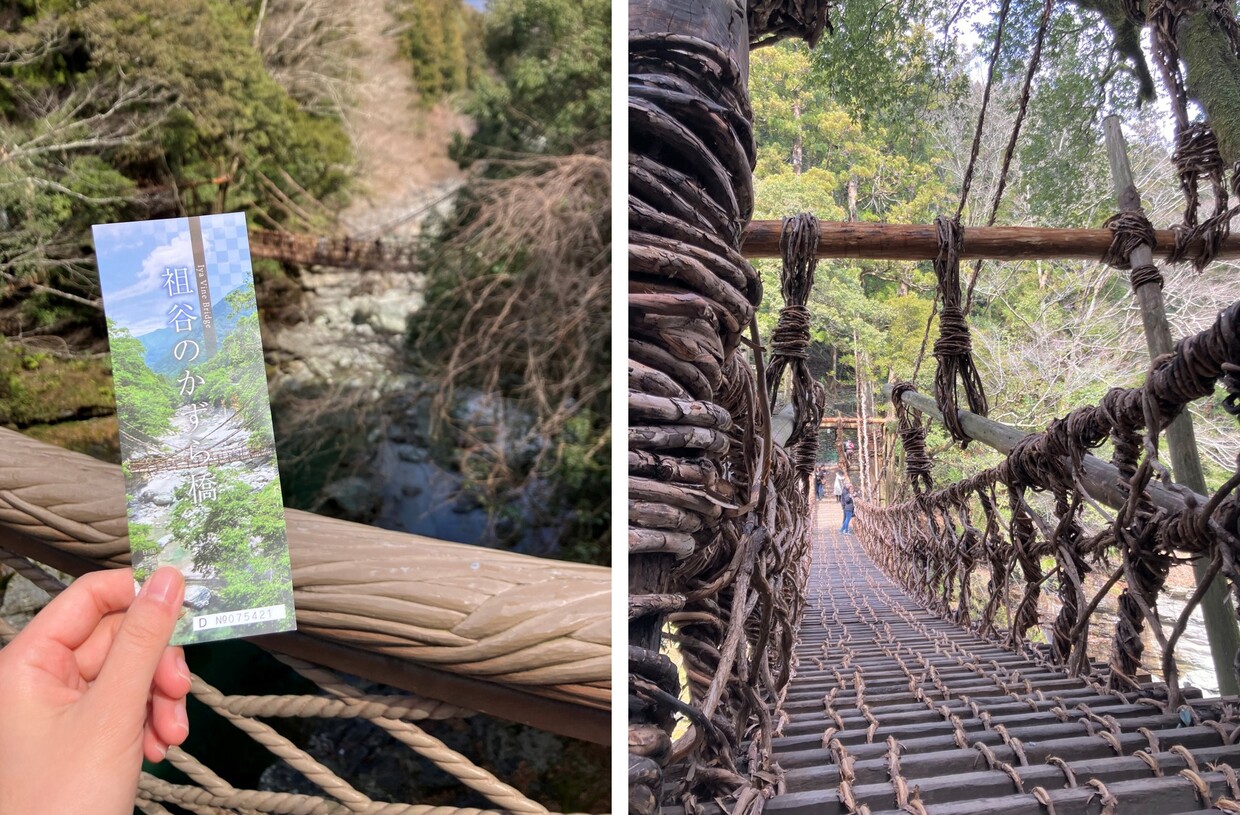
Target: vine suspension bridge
{"x":897,"y":669}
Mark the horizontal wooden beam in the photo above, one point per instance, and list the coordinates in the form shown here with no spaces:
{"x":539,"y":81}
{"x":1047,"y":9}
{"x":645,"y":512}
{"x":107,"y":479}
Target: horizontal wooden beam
{"x":850,"y":421}
{"x":875,"y":241}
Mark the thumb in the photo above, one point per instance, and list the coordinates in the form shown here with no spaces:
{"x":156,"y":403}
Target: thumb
{"x":129,"y":668}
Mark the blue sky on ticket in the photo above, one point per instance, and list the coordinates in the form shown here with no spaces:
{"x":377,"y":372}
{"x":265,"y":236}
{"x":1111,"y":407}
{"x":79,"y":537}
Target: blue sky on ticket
{"x":134,"y":259}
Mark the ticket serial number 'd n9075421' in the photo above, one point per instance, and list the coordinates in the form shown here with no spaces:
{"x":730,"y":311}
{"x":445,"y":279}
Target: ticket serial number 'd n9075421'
{"x":245,"y":617}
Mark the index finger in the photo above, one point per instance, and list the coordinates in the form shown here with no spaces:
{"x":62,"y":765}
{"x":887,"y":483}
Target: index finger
{"x":74,"y":614}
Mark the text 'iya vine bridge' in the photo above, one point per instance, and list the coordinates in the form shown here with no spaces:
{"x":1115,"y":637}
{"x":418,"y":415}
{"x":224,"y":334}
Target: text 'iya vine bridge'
{"x":894,"y":671}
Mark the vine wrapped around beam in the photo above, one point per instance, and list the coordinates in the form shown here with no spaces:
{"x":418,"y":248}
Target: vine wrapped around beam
{"x":718,"y":523}
{"x":954,"y":349}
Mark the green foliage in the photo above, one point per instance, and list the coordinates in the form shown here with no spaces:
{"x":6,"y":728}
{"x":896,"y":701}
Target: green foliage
{"x":549,"y":90}
{"x":816,"y":155}
{"x":145,"y":401}
{"x":38,"y":388}
{"x":235,"y":375}
{"x":143,"y":546}
{"x":443,"y":39}
{"x":582,"y":477}
{"x":118,"y":96}
{"x":1061,"y":163}
{"x":237,"y":536}
{"x":231,"y":119}
{"x":884,"y":65}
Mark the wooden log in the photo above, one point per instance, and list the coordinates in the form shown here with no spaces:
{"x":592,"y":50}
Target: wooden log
{"x":1100,"y":478}
{"x":642,"y":604}
{"x":641,"y":541}
{"x":876,"y":241}
{"x":701,"y":471}
{"x":851,"y":421}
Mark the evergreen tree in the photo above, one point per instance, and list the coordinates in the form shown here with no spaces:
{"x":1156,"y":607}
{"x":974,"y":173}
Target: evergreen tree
{"x":145,"y":400}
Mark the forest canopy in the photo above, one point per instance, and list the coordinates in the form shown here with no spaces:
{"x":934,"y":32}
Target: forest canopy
{"x":114,"y":110}
{"x":876,"y":123}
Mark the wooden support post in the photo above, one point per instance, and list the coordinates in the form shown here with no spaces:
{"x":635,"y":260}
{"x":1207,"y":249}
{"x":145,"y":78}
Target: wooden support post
{"x":1216,"y":607}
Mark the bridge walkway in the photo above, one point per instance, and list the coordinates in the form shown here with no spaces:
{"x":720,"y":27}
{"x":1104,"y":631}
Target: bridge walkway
{"x":894,"y":709}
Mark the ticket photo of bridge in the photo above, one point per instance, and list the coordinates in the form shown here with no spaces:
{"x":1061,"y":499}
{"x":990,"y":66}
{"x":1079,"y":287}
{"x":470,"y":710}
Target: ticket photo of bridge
{"x":201,"y":481}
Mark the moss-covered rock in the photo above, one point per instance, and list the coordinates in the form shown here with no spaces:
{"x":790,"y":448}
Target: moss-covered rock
{"x":39,"y":388}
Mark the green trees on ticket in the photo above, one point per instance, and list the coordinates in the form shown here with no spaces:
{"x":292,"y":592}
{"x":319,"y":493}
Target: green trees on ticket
{"x":235,"y":377}
{"x":143,"y":545}
{"x":236,"y":535}
{"x":145,"y":401}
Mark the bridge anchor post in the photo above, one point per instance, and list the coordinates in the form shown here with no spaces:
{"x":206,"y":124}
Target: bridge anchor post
{"x":1216,"y":606}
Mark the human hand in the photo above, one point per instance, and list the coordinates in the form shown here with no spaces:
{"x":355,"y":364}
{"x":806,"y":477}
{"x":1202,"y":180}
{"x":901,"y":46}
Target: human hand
{"x":89,"y":687}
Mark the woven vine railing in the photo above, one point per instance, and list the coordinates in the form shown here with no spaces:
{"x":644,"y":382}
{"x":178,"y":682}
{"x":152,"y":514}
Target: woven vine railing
{"x":717,"y":510}
{"x":936,"y":542}
{"x":457,"y":629}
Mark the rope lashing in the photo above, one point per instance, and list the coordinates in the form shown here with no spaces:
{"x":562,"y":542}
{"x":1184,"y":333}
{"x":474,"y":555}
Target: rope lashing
{"x":1197,"y":156}
{"x":912,"y":432}
{"x":954,"y":349}
{"x":1130,"y":230}
{"x":798,"y":243}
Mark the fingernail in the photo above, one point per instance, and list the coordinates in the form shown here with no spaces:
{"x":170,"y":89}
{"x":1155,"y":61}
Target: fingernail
{"x":182,"y":718}
{"x":163,"y":753}
{"x":162,"y":585}
{"x":183,"y":668}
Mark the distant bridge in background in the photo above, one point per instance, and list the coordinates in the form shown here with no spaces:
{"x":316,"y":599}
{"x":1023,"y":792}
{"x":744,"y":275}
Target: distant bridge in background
{"x":350,"y":252}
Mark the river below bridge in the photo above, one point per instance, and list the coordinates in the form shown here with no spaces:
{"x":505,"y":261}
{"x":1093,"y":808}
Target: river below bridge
{"x":1192,"y":651}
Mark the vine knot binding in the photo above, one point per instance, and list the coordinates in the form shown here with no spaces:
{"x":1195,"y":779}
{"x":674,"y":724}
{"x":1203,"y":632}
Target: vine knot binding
{"x":912,"y":432}
{"x":1129,"y":231}
{"x":954,"y":349}
{"x":931,"y":545}
{"x":798,"y":243}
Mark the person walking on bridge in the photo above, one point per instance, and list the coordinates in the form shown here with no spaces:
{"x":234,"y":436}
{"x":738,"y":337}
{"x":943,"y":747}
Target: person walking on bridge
{"x":839,"y":487}
{"x":847,"y":502}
